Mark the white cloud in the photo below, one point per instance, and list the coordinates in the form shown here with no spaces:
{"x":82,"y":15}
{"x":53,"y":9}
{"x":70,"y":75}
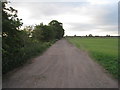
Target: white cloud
{"x":78,"y":18}
{"x":90,"y":1}
{"x":102,"y":2}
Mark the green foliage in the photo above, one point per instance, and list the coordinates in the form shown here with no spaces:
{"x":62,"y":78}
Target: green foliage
{"x":10,"y":24}
{"x":57,"y":27}
{"x":43,"y":33}
{"x":20,"y":45}
{"x":37,"y":32}
{"x":11,"y":40}
{"x":103,"y":50}
{"x":13,"y":60}
{"x":48,"y":32}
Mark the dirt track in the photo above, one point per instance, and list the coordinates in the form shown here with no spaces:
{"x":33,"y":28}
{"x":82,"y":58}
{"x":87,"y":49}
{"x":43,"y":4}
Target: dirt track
{"x":61,"y":66}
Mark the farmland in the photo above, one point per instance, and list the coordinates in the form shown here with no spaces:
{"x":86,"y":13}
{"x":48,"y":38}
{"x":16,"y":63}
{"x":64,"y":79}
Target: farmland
{"x":102,"y":50}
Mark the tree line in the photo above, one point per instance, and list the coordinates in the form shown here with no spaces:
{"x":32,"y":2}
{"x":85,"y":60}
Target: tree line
{"x":53,"y":30}
{"x":20,"y":45}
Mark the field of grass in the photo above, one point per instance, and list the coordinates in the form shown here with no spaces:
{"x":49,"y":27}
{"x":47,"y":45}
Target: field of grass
{"x":103,"y":50}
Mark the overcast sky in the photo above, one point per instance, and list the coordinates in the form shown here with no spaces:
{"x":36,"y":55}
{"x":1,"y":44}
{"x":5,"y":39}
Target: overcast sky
{"x":97,"y":17}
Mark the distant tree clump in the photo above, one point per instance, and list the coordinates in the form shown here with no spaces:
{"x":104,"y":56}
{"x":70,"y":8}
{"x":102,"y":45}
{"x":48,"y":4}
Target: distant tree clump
{"x":58,"y":28}
{"x":74,"y":35}
{"x":90,"y":35}
{"x":52,"y":31}
{"x":107,"y":35}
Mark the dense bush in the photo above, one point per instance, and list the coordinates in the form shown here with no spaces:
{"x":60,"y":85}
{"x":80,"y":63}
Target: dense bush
{"x":13,"y":60}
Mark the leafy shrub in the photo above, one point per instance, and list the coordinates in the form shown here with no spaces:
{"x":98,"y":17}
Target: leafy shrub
{"x":18,"y":58}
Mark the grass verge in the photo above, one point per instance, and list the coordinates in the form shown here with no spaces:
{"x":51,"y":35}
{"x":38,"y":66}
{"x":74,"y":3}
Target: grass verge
{"x":103,"y":50}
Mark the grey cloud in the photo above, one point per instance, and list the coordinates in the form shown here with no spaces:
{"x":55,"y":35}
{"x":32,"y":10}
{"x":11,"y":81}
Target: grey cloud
{"x":82,"y":27}
{"x":105,"y":16}
{"x":87,"y":27}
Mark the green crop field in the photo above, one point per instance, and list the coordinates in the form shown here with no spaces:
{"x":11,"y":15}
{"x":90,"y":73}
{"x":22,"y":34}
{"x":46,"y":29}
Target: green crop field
{"x":103,"y":50}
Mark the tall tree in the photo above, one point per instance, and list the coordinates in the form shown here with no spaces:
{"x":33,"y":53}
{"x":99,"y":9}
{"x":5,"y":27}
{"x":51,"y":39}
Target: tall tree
{"x":11,"y":39}
{"x":58,"y":28}
{"x":10,"y":24}
{"x":48,"y":33}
